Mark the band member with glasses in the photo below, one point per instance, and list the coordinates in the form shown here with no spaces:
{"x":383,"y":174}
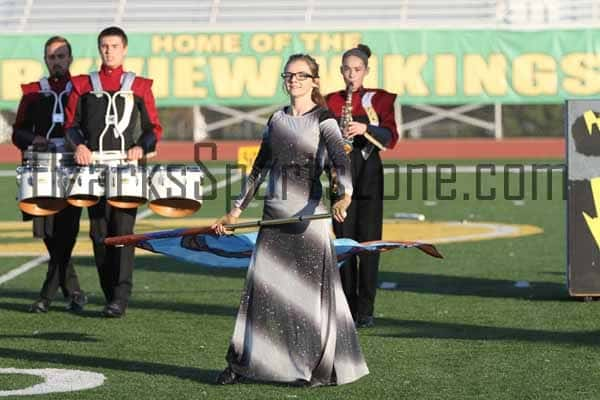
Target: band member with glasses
{"x":293,"y":323}
{"x":372,"y":117}
{"x":86,"y":121}
{"x":38,"y":125}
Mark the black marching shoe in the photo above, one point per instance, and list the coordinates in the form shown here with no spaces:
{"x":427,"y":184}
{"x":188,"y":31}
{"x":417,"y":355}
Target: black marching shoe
{"x":77,"y":302}
{"x":365,"y":322}
{"x":113,"y":310}
{"x":228,"y":377}
{"x":40,"y":306}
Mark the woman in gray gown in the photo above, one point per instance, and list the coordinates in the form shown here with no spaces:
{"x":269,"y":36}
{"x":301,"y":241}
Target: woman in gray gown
{"x":294,"y":324}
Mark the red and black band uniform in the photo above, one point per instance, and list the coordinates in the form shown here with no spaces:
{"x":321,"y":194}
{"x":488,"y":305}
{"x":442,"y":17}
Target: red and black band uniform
{"x":85,"y":122}
{"x":59,"y":231}
{"x":365,"y":214}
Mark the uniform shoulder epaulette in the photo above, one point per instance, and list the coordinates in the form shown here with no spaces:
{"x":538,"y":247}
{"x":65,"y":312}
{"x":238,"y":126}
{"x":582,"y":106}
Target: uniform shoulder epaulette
{"x":382,"y":98}
{"x":383,"y":93}
{"x":141,"y":84}
{"x":81,"y":83}
{"x":339,"y":93}
{"x":31,"y":87}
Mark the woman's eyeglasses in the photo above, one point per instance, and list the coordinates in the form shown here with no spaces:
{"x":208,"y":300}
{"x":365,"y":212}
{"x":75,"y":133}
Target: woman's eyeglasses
{"x":301,"y":76}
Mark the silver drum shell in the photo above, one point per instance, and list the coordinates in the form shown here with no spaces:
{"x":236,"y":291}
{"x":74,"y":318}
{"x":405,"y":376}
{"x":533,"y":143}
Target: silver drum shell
{"x":175,"y":191}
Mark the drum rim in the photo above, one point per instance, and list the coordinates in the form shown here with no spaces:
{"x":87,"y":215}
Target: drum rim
{"x":120,"y":202}
{"x":32,"y":205}
{"x":175,"y":211}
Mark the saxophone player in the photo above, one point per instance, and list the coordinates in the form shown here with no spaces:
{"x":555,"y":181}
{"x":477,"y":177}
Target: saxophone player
{"x":367,"y":119}
{"x":346,"y":119}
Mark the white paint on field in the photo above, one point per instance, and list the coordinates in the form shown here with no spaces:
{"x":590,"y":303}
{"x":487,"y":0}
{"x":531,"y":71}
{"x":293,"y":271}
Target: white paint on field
{"x":494,"y":231}
{"x":522,"y":284}
{"x":23,"y":268}
{"x":388,"y":285}
{"x":55,"y":381}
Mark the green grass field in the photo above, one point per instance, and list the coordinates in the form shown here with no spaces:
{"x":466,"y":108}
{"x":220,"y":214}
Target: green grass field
{"x":456,"y":328}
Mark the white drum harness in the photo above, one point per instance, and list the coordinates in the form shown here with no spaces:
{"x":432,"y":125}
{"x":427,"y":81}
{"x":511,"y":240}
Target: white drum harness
{"x":111,"y":117}
{"x":58,"y":111}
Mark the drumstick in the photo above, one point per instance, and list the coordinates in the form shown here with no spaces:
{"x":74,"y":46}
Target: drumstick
{"x":128,"y":240}
{"x":115,"y":155}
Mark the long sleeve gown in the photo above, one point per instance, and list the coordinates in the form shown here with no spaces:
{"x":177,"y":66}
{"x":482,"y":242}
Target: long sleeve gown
{"x":293,"y":323}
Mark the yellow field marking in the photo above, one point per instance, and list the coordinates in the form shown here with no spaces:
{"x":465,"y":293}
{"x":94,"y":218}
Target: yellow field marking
{"x":83,"y":247}
{"x":430,"y":232}
{"x":452,"y":232}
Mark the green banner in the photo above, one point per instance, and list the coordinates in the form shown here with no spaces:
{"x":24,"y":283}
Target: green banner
{"x":421,"y":66}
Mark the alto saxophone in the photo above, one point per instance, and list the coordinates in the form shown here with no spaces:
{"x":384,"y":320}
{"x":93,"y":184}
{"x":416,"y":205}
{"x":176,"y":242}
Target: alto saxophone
{"x":346,"y":118}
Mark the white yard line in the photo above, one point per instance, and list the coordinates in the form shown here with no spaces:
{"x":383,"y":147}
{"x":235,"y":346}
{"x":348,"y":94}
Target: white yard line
{"x":144,"y":214}
{"x":13,"y":273}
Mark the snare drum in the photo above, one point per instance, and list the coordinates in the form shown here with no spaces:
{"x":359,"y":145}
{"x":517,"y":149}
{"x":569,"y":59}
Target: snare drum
{"x":175,"y":190}
{"x":40,"y":190}
{"x":54,"y":160}
{"x":126,"y":186}
{"x":84,"y":185}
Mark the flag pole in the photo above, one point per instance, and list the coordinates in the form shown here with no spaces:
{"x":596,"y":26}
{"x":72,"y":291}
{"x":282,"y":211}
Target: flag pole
{"x":134,"y":239}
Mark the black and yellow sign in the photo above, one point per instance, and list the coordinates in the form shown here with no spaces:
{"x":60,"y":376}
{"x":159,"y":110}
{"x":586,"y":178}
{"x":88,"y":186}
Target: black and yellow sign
{"x":583,"y":202}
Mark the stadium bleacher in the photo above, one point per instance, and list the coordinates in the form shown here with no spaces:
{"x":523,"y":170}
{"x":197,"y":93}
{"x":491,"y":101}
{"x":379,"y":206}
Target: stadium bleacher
{"x":35,"y":16}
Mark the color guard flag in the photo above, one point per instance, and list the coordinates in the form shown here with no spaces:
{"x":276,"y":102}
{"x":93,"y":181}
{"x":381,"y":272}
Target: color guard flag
{"x":234,"y":251}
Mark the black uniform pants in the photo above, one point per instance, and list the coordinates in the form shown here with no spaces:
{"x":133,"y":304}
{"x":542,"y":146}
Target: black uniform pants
{"x":114,"y":264}
{"x":363,"y":223}
{"x":59,"y":232}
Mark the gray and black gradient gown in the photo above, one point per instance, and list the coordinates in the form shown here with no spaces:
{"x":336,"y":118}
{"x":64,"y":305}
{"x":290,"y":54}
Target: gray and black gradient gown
{"x":294,"y":323}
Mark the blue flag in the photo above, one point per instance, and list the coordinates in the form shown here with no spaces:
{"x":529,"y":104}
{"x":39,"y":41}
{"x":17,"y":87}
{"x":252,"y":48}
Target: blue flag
{"x":234,"y":251}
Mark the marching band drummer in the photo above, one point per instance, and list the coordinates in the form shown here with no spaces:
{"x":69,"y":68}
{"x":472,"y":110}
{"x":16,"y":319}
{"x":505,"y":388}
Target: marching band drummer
{"x":88,"y":116}
{"x":372,"y":114}
{"x":36,"y":118}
